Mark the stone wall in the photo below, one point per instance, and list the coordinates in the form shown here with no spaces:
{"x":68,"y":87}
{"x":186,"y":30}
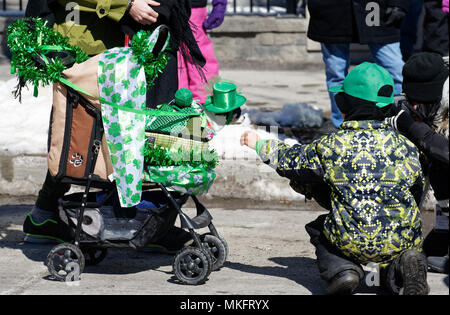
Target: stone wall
{"x":264,"y":42}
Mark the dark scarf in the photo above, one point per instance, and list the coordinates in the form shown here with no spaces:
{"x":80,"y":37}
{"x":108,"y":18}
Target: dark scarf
{"x":175,"y":14}
{"x":358,"y":109}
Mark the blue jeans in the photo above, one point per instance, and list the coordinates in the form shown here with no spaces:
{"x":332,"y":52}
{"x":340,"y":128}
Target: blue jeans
{"x":337,"y":62}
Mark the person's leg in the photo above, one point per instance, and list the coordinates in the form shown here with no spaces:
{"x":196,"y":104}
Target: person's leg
{"x":166,"y":84}
{"x":337,"y":61}
{"x":409,"y":29}
{"x":42,"y":224}
{"x":183,"y":74}
{"x":436,"y":243}
{"x":339,"y":272}
{"x":51,"y":191}
{"x":389,"y":56}
{"x":211,"y":67}
{"x":435,"y":28}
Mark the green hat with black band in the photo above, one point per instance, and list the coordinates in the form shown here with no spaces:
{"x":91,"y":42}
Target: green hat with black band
{"x":370,"y":82}
{"x":225,"y":98}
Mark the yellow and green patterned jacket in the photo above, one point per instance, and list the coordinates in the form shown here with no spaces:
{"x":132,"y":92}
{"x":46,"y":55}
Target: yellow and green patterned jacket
{"x":97,"y":29}
{"x":375,"y":180}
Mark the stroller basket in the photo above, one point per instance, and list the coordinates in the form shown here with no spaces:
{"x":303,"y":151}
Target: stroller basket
{"x":104,"y":221}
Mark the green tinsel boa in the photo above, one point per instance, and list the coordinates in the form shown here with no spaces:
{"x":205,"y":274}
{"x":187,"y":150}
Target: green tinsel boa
{"x":40,"y":55}
{"x":34,"y":48}
{"x":153,"y":65}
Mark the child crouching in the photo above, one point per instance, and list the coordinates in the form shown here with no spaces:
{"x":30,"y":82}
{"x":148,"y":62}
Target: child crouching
{"x":370,"y":179}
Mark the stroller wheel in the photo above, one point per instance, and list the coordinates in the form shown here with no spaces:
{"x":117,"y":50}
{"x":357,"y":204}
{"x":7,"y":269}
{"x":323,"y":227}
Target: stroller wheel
{"x":65,"y":262}
{"x":192,"y":265}
{"x":218,"y":249}
{"x":94,"y":256}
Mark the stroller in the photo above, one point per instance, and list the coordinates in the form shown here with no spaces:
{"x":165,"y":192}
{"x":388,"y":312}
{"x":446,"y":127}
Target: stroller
{"x":97,"y":222}
{"x":79,"y":154}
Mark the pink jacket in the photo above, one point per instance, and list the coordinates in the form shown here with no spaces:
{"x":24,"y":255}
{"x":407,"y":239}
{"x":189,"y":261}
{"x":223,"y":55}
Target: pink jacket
{"x":445,"y":6}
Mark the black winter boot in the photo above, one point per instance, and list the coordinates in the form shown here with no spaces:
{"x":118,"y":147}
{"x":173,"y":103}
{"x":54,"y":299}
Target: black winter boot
{"x":344,"y":283}
{"x":412,"y":271}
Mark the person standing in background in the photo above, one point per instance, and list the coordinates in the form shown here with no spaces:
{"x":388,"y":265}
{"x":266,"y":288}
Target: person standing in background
{"x":337,"y":23}
{"x":188,"y":75}
{"x":409,"y":29}
{"x":435,"y":27}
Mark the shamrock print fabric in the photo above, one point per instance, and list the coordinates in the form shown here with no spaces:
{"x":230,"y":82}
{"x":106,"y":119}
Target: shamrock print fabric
{"x":122,"y":81}
{"x":184,"y":179}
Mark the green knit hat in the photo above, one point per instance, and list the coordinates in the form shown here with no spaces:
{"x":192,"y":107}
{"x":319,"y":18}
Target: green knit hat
{"x":370,"y":82}
{"x":183,"y":97}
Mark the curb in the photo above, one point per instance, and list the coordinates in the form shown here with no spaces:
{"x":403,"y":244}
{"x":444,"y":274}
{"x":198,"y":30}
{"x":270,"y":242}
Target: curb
{"x":242,"y":179}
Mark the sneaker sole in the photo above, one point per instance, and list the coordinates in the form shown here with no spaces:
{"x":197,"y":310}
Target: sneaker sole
{"x":41,"y":239}
{"x":415,"y":276}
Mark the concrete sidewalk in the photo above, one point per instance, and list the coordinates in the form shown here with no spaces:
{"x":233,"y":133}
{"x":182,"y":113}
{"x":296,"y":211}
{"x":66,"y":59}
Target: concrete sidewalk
{"x":270,"y":253}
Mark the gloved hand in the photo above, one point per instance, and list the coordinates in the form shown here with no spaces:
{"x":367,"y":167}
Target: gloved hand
{"x":394,"y":16}
{"x":217,"y":14}
{"x":401,"y":122}
{"x":445,"y":6}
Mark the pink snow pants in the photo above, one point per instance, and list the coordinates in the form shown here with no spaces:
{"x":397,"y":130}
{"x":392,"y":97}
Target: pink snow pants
{"x":188,"y":76}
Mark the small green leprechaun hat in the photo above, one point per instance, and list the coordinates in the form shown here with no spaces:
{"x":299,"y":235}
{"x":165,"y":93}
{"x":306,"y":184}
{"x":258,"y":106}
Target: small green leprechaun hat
{"x":224,"y":99}
{"x":370,"y":82}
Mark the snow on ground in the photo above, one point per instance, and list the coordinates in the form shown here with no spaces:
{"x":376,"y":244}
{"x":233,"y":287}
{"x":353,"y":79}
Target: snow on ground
{"x":227,"y":141}
{"x":23,"y":126}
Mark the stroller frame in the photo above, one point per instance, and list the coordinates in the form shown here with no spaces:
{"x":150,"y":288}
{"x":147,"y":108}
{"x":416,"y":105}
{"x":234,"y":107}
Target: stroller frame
{"x":191,"y":265}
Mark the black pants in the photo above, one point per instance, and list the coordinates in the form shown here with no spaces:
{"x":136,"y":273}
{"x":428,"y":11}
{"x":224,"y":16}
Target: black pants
{"x":166,"y":84}
{"x":436,"y":243}
{"x":329,"y":259}
{"x":332,"y":261}
{"x":52,"y":190}
{"x":435,"y":28}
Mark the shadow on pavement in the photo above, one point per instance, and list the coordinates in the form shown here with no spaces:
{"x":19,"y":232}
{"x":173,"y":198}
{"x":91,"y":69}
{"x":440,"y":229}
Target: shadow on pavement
{"x":116,"y":262}
{"x":302,"y":270}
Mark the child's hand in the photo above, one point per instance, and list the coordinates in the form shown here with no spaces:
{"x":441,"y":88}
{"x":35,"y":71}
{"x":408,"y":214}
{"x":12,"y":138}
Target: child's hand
{"x":249,"y":139}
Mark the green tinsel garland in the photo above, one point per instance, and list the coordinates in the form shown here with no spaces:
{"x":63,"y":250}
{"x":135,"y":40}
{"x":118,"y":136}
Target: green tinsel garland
{"x":27,"y":40}
{"x":158,"y":156}
{"x":153,"y":66}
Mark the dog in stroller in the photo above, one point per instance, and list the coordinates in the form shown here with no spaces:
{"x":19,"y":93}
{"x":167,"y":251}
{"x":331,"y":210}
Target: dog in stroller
{"x":102,"y":137}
